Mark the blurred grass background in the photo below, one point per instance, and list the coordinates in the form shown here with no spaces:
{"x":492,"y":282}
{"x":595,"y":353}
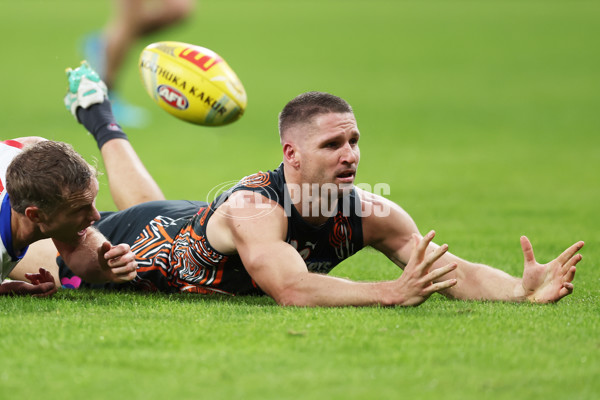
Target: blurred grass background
{"x":481,"y":116}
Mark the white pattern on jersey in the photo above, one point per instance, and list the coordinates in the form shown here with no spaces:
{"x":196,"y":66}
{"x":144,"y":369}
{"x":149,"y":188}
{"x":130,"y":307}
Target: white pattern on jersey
{"x":7,"y":153}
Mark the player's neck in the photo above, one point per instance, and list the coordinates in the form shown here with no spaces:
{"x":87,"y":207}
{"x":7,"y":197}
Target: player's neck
{"x":23,"y":231}
{"x":314,"y":205}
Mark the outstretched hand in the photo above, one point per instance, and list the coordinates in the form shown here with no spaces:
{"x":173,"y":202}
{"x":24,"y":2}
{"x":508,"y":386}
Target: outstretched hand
{"x":417,"y":281}
{"x":42,"y":285}
{"x":548,"y":283}
{"x":118,"y":261}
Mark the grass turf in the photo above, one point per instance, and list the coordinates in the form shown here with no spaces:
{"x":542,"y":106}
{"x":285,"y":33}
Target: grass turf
{"x":481,"y":116}
{"x":97,"y":345}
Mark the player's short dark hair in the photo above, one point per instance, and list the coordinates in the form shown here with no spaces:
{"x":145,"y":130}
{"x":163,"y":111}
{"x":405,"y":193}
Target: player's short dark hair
{"x":304,"y":107}
{"x":45,"y":175}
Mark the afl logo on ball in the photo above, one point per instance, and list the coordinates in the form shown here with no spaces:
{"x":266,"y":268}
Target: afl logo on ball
{"x":172,"y":97}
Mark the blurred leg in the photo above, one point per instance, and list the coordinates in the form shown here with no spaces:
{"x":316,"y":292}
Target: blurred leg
{"x":133,"y":19}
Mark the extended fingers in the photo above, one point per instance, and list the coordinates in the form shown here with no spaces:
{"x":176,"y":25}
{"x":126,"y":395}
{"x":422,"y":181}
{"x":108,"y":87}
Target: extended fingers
{"x":570,"y":274}
{"x":568,"y":254}
{"x":439,"y":272}
{"x":420,"y":247}
{"x":40,"y":277}
{"x":33,"y":278}
{"x":421,"y":260}
{"x":434,"y":256}
{"x":571,"y":263}
{"x":527,"y":250}
{"x":426,"y":240}
{"x":436,"y":287}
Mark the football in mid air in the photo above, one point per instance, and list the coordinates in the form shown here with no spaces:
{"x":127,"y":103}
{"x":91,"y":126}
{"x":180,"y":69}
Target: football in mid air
{"x":192,"y":83}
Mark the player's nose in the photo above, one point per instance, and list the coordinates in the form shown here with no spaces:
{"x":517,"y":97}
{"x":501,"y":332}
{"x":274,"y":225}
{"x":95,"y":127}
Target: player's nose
{"x":350,"y":154}
{"x":94,"y":215}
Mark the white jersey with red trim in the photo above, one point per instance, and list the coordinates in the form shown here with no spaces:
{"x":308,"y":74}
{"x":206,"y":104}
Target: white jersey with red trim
{"x":8,"y":150}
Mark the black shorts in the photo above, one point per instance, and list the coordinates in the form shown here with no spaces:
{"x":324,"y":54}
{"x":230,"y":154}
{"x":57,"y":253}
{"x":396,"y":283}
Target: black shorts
{"x":124,"y":227}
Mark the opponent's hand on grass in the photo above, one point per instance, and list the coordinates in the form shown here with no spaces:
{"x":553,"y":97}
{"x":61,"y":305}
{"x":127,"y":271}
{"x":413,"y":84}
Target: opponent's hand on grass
{"x":417,"y":281}
{"x":548,"y":283}
{"x":118,"y":261}
{"x":42,"y":285}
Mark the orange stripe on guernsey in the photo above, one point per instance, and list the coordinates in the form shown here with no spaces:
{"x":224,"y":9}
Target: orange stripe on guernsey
{"x":219,"y":276}
{"x":142,"y":242}
{"x":260,"y":179}
{"x":205,"y":215}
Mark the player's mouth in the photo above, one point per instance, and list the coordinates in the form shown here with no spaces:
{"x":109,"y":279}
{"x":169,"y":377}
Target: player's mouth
{"x":346,"y":176}
{"x":84,"y":230}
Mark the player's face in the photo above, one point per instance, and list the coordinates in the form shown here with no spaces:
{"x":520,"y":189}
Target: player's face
{"x":330,"y":152}
{"x":70,"y":222}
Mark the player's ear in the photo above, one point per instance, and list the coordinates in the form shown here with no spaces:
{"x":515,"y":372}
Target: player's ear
{"x":291,"y":155}
{"x":34,"y":214}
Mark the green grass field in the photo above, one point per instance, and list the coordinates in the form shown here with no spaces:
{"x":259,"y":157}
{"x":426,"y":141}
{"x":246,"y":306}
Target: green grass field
{"x":481,"y":116}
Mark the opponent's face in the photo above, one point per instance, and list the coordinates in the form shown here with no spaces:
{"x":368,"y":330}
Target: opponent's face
{"x":329,"y":152}
{"x":69,"y":222}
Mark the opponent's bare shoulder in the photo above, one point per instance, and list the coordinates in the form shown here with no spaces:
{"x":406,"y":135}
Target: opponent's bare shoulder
{"x":386,"y":226}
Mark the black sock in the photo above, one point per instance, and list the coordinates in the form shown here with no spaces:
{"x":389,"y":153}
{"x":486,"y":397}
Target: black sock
{"x":98,"y":119}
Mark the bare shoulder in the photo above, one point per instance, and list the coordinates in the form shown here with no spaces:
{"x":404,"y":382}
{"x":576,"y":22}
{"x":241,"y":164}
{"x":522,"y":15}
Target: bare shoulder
{"x":252,"y":207}
{"x":247,"y":217}
{"x":386,"y":225}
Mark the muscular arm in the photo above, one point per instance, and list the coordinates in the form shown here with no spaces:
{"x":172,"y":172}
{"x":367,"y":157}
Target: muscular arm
{"x":95,"y":260}
{"x":540,"y":283}
{"x":258,"y":235}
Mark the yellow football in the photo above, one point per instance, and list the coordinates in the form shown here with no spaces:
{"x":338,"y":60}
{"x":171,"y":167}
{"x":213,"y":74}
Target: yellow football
{"x":192,"y":83}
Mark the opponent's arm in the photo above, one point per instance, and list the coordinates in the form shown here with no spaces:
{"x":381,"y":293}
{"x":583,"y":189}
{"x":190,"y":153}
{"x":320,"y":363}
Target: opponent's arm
{"x":42,"y":285}
{"x":96,"y":260}
{"x":540,"y":283}
{"x":258,"y":234}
